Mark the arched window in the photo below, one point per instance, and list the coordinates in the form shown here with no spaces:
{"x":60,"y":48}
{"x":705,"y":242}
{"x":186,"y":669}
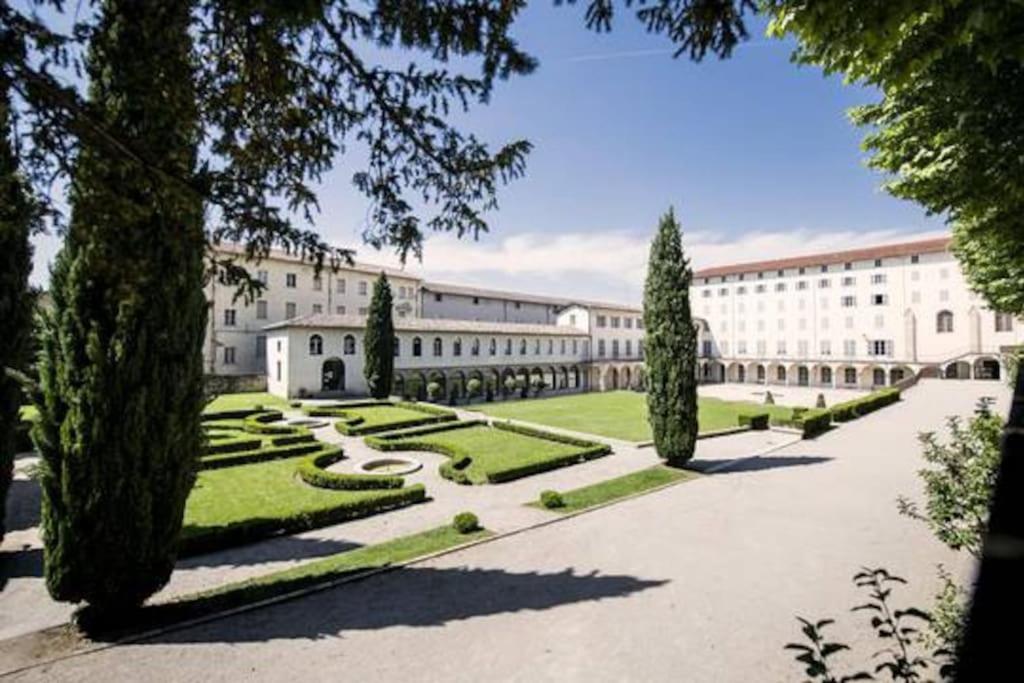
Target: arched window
{"x":551,"y":346}
{"x":522,"y":347}
{"x":349,"y":345}
{"x":944,"y":321}
{"x":417,"y":346}
{"x":457,"y":347}
{"x":316,"y":345}
{"x":475,"y":349}
{"x":438,"y":348}
{"x":397,"y":347}
{"x":508,"y":347}
{"x":494,"y":346}
{"x":780,"y":373}
{"x":536,"y":347}
{"x":563,"y":347}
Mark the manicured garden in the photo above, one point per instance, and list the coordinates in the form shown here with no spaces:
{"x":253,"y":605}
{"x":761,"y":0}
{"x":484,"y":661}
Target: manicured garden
{"x":358,"y":418}
{"x":482,"y":453}
{"x":622,"y":414}
{"x":245,"y":401}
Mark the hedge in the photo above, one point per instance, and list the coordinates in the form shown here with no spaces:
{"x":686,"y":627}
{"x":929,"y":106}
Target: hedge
{"x":210,"y":462}
{"x":239,"y":414}
{"x":850,"y":410}
{"x":814,"y":422}
{"x":238,"y":449}
{"x":350,"y":425}
{"x":754,"y":420}
{"x":591,"y":449}
{"x":312,"y":471}
{"x":254,"y":529}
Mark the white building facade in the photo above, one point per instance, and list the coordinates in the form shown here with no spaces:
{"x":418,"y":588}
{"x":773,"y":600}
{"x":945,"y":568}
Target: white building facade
{"x":616,"y":336}
{"x":454,"y":302}
{"x":861,"y":318}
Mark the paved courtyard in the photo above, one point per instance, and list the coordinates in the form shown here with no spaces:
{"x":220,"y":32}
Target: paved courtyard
{"x":698,"y":582}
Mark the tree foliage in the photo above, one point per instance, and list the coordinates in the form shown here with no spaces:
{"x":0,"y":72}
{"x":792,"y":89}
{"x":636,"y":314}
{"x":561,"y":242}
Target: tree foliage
{"x":379,"y":341}
{"x":670,"y":346}
{"x":121,"y":387}
{"x":17,"y":221}
{"x":950,"y":123}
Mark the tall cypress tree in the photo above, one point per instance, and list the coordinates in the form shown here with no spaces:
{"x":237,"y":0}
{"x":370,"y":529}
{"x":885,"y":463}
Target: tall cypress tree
{"x":121,"y":367}
{"x":670,"y":346}
{"x":379,"y":341}
{"x":16,"y":302}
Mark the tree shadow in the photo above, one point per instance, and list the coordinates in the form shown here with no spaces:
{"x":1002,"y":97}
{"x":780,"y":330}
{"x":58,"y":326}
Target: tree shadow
{"x":17,"y":564}
{"x":419,"y":596}
{"x":755,"y":464}
{"x":23,"y":505}
{"x":268,"y":550}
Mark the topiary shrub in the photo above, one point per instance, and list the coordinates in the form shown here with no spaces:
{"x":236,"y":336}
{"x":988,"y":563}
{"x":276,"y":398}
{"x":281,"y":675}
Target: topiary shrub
{"x":769,"y":400}
{"x":551,"y":499}
{"x":433,"y":391}
{"x":820,"y":403}
{"x":473,"y":387}
{"x":510,"y":385}
{"x":466,"y":523}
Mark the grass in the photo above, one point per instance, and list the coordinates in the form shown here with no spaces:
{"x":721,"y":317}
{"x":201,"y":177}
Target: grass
{"x":621,"y":487}
{"x":240,"y":504}
{"x":242,"y":401}
{"x":620,"y":414}
{"x":378,"y":418}
{"x":324,"y":570}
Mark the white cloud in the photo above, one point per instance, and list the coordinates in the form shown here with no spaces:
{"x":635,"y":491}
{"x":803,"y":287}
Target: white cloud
{"x":611,"y":265}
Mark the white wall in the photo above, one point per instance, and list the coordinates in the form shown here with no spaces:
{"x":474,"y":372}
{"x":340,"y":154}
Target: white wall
{"x":468,"y":307}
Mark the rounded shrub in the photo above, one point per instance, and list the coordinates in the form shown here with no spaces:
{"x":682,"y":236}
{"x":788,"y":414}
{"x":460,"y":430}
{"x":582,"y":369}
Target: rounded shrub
{"x":820,"y":403}
{"x":551,"y":499}
{"x":769,"y":400}
{"x":433,"y":391}
{"x":466,"y":523}
{"x":473,"y":387}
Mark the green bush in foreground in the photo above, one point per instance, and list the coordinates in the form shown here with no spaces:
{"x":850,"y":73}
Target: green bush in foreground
{"x":466,"y":523}
{"x":551,"y":499}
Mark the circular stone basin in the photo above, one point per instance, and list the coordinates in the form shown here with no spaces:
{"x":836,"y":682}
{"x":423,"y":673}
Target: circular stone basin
{"x":307,"y":422}
{"x":390,"y":465}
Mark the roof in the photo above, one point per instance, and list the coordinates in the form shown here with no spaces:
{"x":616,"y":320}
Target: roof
{"x":331,"y":321}
{"x":281,"y":255}
{"x":828,"y":258}
{"x":561,"y":302}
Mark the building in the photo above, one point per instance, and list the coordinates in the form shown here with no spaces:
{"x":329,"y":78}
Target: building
{"x":322,"y":355}
{"x":616,"y":336}
{"x":235,"y":340}
{"x":473,"y":303}
{"x":859,"y":318}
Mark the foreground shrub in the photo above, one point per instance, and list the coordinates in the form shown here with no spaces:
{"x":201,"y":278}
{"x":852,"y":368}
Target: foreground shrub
{"x":466,"y":523}
{"x":551,"y":499}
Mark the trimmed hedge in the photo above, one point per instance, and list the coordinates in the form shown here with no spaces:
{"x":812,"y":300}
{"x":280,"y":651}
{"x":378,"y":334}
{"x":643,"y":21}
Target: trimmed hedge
{"x":259,"y":455}
{"x":235,"y":449}
{"x":239,"y":414}
{"x":351,"y":425}
{"x":814,"y":422}
{"x":209,"y":539}
{"x":591,"y":449}
{"x":753,"y":420}
{"x":851,"y":410}
{"x":312,"y":471}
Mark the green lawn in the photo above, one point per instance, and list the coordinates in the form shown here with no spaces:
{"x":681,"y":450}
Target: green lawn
{"x":483,"y":454}
{"x":619,"y":414}
{"x":377,"y":418}
{"x":240,"y":504}
{"x":247,"y":400}
{"x":620,"y":487}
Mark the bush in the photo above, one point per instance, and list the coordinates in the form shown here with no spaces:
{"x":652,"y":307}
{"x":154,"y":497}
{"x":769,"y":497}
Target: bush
{"x":510,"y":385}
{"x":473,"y":387}
{"x":814,"y":422}
{"x":312,"y":470}
{"x":820,"y":403}
{"x":754,"y":420}
{"x":466,"y":523}
{"x":769,"y":400}
{"x":850,"y":410}
{"x":537,"y":384}
{"x":551,"y":499}
{"x":433,"y":391}
{"x":798,"y":411}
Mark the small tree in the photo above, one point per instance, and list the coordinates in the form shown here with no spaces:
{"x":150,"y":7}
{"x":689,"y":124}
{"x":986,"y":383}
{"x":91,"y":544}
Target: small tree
{"x":509,"y":385}
{"x":523,"y":386}
{"x":473,"y":387}
{"x":670,"y":346}
{"x":433,"y":390}
{"x":537,"y":384}
{"x":379,"y":341}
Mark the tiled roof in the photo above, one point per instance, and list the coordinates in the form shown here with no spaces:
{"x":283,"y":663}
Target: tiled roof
{"x":828,"y":258}
{"x":281,"y":255}
{"x":358,"y":322}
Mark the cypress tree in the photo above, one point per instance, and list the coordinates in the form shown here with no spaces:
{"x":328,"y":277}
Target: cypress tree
{"x":121,"y":367}
{"x":16,"y":301}
{"x":379,"y":341}
{"x":670,"y":346}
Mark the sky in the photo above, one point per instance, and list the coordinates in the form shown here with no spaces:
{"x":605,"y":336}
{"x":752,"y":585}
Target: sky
{"x":756,"y":155}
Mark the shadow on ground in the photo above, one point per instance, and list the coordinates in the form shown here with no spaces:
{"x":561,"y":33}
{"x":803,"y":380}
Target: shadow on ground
{"x":18,"y":564}
{"x":23,"y":501}
{"x":417,"y":596}
{"x":756,"y":464}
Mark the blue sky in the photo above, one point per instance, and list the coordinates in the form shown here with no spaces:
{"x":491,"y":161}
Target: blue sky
{"x":756,"y":154}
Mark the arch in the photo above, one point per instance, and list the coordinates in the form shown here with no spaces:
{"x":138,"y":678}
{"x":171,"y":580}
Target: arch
{"x":457,"y":346}
{"x":627,"y":379}
{"x":458,"y":384}
{"x":825,"y":375}
{"x":761,"y":373}
{"x":878,"y":377}
{"x":398,"y":386}
{"x":523,"y":378}
{"x":735,"y":372}
{"x":522,"y":347}
{"x":612,"y":378}
{"x":553,"y":385}
{"x":777,"y":373}
{"x":438,"y":347}
{"x":332,"y":375}
{"x":494,"y":346}
{"x":930,"y":372}
{"x":986,"y":367}
{"x":416,"y":385}
{"x":564,"y":381}
{"x":847,"y":376}
{"x":575,"y":376}
{"x":803,"y":376}
{"x":960,"y":369}
{"x":944,"y":321}
{"x":417,"y":346}
{"x":316,"y":345}
{"x":349,"y":345}
{"x":474,"y":348}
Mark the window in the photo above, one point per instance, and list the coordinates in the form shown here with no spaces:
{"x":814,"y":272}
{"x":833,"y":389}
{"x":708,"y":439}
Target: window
{"x":705,"y":293}
{"x":741,"y":290}
{"x":289,"y":310}
{"x":1004,"y":322}
{"x":801,"y":285}
{"x":943,"y":295}
{"x":536,"y":347}
{"x":629,"y":348}
{"x":474,"y":349}
{"x":600,"y":348}
{"x":290,"y":280}
{"x":780,"y":347}
{"x":263,"y":276}
{"x":316,"y":345}
{"x":518,"y":305}
{"x":848,"y":322}
{"x":824,"y":283}
{"x":401,"y":293}
{"x":879,"y":321}
{"x":915,"y":275}
{"x":627,"y":323}
{"x":781,"y":272}
{"x":601,"y":321}
{"x":879,"y":347}
{"x":279,"y":346}
{"x":914,"y":258}
{"x":438,"y":346}
{"x":762,"y":348}
{"x":229,"y":355}
{"x":508,"y":347}
{"x":826,"y":347}
{"x":437,"y":297}
{"x":849,"y":281}
{"x":417,"y":346}
{"x":801,"y":271}
{"x":476,"y":301}
{"x":879,"y":299}
{"x":340,"y":285}
{"x":741,"y":348}
{"x":572,"y":319}
{"x":349,"y":345}
{"x":575,"y":346}
{"x":551,"y":346}
{"x":398,"y":347}
{"x":760,"y":276}
{"x":759,"y":289}
{"x":849,"y":375}
{"x":878,"y":263}
{"x":261,"y":346}
{"x":261,"y":310}
{"x":563,"y":348}
{"x":847,"y":266}
{"x":780,"y":286}
{"x":944,"y":322}
{"x":878,"y":279}
{"x":493,"y":349}
{"x":849,"y":348}
{"x":522,"y":347}
{"x":824,"y":268}
{"x":915,"y":297}
{"x":849,"y":301}
{"x":318,"y":284}
{"x":362,"y":288}
{"x":277,"y":372}
{"x":640,"y":348}
{"x":615,"y":348}
{"x":456,"y":347}
{"x":943,"y":273}
{"x":801,"y":348}
{"x":615,"y":322}
{"x":318,"y":308}
{"x":229,"y":317}
{"x":723,"y":291}
{"x":340,"y":310}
